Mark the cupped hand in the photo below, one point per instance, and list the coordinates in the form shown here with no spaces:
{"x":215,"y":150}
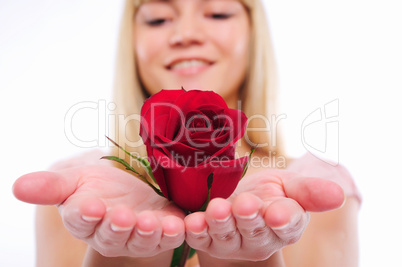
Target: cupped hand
{"x":111,"y":210}
{"x":268,"y":211}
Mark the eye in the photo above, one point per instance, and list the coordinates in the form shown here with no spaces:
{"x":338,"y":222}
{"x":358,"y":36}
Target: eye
{"x":220,"y":16}
{"x":156,"y":22}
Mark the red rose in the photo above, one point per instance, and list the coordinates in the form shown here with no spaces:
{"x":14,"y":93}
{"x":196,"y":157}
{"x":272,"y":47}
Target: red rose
{"x":189,"y":135}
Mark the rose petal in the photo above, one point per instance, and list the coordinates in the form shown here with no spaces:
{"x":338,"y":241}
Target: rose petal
{"x":210,"y":140}
{"x":209,"y":145}
{"x":237,"y":128}
{"x":179,"y":152}
{"x":190,"y":101}
{"x":157,"y":104}
{"x":157,"y":127}
{"x":187,"y":187}
{"x":196,"y":99}
{"x":164,"y":96}
{"x":196,"y":121}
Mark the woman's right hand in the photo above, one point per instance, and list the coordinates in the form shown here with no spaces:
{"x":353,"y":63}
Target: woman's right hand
{"x":112,"y":211}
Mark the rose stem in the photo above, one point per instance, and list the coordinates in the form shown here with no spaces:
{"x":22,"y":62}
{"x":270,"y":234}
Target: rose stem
{"x":184,"y":254}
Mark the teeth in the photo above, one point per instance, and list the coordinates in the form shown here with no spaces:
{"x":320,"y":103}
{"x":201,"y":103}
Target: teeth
{"x":189,"y":64}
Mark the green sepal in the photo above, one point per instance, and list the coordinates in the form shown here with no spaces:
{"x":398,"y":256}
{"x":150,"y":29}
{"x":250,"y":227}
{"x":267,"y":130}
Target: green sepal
{"x":210,"y":180}
{"x":248,"y":161}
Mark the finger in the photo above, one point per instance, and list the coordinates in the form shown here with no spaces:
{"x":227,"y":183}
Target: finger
{"x":314,"y":194}
{"x":112,"y":234}
{"x":197,"y":231}
{"x":247,"y":210}
{"x":44,"y":188}
{"x":81,"y":216}
{"x":146,"y":236}
{"x":287,"y":219}
{"x":91,"y":209}
{"x":173,"y":232}
{"x":222,"y":227}
{"x":258,"y":240}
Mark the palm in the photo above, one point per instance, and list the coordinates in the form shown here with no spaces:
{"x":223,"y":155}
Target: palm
{"x":265,"y":185}
{"x":266,"y":212}
{"x":114,"y":187}
{"x":111,"y":210}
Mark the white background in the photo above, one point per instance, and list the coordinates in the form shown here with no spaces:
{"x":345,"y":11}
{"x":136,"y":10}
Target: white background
{"x":55,"y":54}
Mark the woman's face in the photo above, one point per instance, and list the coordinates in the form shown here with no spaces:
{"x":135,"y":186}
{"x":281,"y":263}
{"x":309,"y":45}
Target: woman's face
{"x":197,"y":44}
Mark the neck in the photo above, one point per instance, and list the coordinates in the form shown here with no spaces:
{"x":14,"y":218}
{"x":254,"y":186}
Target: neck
{"x":232,"y":102}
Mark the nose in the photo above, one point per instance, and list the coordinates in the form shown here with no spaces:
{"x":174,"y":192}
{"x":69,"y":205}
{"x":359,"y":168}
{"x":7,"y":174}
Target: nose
{"x":187,"y":31}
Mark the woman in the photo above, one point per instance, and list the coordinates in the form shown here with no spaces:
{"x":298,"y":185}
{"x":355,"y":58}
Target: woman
{"x":111,"y":219}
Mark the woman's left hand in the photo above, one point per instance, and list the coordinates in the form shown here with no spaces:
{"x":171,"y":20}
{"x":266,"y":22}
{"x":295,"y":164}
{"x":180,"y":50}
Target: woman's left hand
{"x":268,"y":210}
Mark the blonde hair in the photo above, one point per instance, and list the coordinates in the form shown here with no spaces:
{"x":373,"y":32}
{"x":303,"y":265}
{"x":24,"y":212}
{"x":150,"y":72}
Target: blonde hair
{"x":258,"y":94}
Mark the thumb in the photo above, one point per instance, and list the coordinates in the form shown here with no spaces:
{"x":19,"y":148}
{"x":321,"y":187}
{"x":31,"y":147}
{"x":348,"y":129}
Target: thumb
{"x":44,"y":187}
{"x":314,"y":194}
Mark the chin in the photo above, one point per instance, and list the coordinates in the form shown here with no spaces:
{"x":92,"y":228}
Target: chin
{"x":191,"y":85}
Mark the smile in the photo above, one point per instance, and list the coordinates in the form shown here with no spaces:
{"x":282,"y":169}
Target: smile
{"x":189,"y":66}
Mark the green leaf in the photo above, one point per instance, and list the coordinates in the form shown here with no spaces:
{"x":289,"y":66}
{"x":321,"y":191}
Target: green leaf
{"x":145,"y":163}
{"x":138,"y":175}
{"x":210,"y":180}
{"x":122,"y":161}
{"x":248,"y":161}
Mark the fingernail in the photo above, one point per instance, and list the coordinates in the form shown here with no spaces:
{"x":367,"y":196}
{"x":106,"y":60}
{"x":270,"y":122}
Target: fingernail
{"x":293,"y":221}
{"x":280,"y":227}
{"x":344,"y":201}
{"x":223,"y":220}
{"x":248,"y":217}
{"x":170,"y":235}
{"x":119,"y":228}
{"x":203,"y":232}
{"x":90,"y":219}
{"x":145,"y":232}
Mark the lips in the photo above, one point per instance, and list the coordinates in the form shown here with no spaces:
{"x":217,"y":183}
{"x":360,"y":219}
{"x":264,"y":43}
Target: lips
{"x":188,"y":65}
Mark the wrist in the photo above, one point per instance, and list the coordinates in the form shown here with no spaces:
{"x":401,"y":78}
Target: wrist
{"x":275,"y":260}
{"x":95,"y":259}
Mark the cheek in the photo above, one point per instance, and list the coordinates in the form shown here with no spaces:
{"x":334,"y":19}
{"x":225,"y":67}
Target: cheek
{"x":239,"y":44}
{"x":148,"y":50}
{"x":148,"y":53}
{"x":233,"y":41}
{"x":236,"y":49}
{"x":144,"y":50}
